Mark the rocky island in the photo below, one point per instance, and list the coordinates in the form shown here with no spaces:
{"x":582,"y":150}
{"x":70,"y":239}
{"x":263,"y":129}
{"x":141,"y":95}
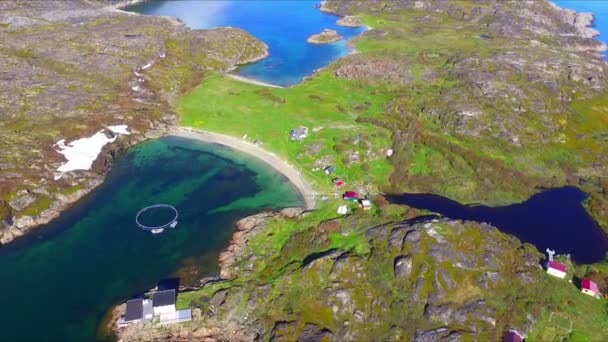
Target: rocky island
{"x":327,"y":36}
{"x":488,"y":121}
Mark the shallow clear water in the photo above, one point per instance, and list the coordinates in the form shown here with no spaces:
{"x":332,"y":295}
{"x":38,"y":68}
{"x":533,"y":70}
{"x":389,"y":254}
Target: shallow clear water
{"x":553,"y":219}
{"x":58,"y":282}
{"x":598,"y":7}
{"x":283,"y":25}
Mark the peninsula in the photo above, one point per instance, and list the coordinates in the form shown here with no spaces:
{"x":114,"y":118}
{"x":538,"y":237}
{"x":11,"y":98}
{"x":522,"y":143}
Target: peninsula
{"x":487,"y":102}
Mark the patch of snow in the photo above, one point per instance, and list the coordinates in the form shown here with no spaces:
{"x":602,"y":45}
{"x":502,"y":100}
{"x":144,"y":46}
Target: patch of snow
{"x":163,"y":55}
{"x":136,"y":88}
{"x":146,"y":66}
{"x":389,"y":152}
{"x":137,"y":74}
{"x":81,"y":153}
{"x":119,"y":129}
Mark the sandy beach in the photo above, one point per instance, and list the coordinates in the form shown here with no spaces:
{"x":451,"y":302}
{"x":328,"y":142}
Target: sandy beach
{"x":249,"y":80}
{"x":270,"y":158}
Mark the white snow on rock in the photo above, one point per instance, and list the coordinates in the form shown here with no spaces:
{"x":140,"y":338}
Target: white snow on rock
{"x":81,"y":153}
{"x":120,"y":129}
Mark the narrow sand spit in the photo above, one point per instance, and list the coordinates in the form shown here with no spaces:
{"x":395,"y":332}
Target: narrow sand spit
{"x":249,"y":80}
{"x":270,"y":158}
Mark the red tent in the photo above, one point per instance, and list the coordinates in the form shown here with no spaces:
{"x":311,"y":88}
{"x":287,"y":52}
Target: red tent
{"x":351,"y":196}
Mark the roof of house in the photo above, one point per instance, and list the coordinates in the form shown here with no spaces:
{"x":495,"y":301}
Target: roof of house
{"x":557,"y":266}
{"x":135,"y":310}
{"x":365,"y":201}
{"x":512,"y":336}
{"x":163,"y":298}
{"x":589,"y":284}
{"x":351,"y":194}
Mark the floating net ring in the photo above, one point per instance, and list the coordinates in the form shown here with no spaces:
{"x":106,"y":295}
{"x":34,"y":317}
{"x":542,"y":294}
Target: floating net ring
{"x":157,"y":228}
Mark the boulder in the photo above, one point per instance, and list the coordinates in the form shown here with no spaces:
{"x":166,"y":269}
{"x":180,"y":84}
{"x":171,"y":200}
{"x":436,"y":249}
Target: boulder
{"x":313,"y":333}
{"x":403,"y":266}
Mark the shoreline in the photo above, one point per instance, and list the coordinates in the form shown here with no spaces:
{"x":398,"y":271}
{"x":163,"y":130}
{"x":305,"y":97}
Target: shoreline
{"x":274,"y":161}
{"x":253,"y":81}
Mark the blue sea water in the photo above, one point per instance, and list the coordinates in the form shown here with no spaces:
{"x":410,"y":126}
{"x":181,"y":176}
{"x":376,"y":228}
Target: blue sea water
{"x":283,"y":25}
{"x":598,"y":7}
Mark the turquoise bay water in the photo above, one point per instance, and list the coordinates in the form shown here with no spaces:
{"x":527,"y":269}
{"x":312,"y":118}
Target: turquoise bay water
{"x":283,"y":25}
{"x":598,"y":7}
{"x":58,"y":281}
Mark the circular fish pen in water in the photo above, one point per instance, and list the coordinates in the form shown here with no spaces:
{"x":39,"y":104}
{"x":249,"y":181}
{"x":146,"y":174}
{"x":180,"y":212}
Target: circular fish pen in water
{"x":156,"y":218}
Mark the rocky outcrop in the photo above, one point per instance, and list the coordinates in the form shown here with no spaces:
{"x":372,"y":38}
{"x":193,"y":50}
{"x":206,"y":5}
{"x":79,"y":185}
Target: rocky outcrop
{"x":247,"y":228}
{"x":327,"y":36}
{"x":349,"y":21}
{"x":375,"y":70}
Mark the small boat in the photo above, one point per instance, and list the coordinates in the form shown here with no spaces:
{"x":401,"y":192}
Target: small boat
{"x":157,"y":231}
{"x":173,"y":224}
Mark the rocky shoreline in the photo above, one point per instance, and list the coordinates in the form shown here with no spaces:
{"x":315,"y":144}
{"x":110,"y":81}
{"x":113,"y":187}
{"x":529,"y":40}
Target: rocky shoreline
{"x":229,"y":260}
{"x":247,"y":228}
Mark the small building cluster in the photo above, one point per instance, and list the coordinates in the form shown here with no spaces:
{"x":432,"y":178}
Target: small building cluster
{"x":364,"y":203}
{"x":161,"y":306}
{"x":560,"y":270}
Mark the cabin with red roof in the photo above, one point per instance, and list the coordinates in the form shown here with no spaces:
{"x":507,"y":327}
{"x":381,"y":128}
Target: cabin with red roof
{"x":556,"y":269}
{"x":338,"y":182}
{"x":351,"y":196}
{"x":589,"y":287}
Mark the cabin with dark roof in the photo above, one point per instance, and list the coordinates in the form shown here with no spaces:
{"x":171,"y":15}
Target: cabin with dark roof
{"x":162,"y":305}
{"x":163,"y":302}
{"x":135,"y":311}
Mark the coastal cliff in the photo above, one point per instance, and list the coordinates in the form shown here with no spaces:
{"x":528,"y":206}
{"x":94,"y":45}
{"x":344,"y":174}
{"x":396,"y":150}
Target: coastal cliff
{"x":72,"y":68}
